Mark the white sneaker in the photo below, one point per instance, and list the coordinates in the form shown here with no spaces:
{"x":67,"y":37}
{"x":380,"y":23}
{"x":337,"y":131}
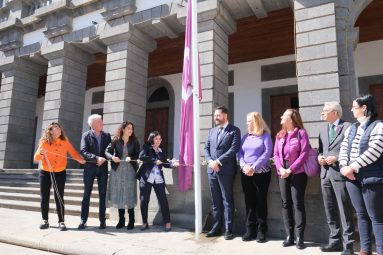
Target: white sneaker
{"x":44,"y":224}
{"x":62,"y":226}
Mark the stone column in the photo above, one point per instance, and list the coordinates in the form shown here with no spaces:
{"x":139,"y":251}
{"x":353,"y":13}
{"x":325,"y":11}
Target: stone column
{"x":213,"y":43}
{"x":65,"y":89}
{"x":318,"y":82}
{"x":347,"y":38}
{"x":19,"y":88}
{"x":214,"y":29}
{"x":126,"y":77}
{"x":317,"y":60}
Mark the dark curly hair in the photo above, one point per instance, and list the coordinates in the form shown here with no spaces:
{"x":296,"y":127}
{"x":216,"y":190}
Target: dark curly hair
{"x":120,"y":132}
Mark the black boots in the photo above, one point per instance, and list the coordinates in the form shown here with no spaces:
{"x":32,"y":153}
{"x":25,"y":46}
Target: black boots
{"x":289,"y":241}
{"x":131,"y":219}
{"x":121,"y":221}
{"x":250,"y":234}
{"x":299,"y":244}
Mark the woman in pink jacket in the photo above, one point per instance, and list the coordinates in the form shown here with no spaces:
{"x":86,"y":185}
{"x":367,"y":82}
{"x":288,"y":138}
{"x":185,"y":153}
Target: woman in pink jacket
{"x":290,"y":152}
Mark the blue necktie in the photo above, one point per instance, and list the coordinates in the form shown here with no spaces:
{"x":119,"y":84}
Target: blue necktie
{"x":219,"y":134}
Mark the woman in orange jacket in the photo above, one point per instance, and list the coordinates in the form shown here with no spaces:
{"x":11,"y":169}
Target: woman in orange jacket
{"x":52,"y":152}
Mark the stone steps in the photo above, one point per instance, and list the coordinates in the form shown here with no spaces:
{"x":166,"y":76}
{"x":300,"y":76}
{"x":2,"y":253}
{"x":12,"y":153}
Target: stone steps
{"x":35,"y":206}
{"x":36,"y":198}
{"x":20,"y":189}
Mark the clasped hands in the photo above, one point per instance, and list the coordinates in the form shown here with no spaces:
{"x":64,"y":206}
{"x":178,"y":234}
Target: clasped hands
{"x":348,"y":172}
{"x":285,"y":172}
{"x":214,"y":165}
{"x":326,"y":160}
{"x":248,"y":170}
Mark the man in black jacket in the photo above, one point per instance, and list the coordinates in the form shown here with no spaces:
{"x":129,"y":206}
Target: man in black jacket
{"x":93,"y":146}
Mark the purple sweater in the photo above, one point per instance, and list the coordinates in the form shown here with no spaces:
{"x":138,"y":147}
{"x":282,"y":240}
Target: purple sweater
{"x":295,"y":150}
{"x":256,"y":151}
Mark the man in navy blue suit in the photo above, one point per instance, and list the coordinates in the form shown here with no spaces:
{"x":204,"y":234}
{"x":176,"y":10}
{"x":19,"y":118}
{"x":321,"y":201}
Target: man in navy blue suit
{"x":221,"y":147}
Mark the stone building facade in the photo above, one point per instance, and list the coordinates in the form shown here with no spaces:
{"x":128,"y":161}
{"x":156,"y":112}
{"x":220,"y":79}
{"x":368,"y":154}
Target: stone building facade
{"x":60,"y":39}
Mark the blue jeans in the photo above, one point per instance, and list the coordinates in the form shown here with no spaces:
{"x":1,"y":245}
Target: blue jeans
{"x":366,"y":200}
{"x":102,"y":178}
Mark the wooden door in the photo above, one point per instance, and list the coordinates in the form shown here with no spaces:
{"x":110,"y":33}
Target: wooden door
{"x":157,"y":120}
{"x":377,"y":91}
{"x":278,"y":105}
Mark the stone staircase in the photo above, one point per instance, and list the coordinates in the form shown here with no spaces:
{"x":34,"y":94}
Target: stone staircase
{"x":19,"y":189}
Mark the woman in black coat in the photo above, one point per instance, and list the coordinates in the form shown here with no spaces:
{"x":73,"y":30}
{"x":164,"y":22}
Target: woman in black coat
{"x":151,"y":175}
{"x":123,"y":152}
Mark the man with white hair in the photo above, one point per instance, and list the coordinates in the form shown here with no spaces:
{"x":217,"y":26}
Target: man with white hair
{"x":335,"y":197}
{"x":93,"y":145}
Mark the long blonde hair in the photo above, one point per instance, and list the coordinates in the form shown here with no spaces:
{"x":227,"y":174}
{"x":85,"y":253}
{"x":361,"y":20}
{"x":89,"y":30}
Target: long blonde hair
{"x":47,"y":137}
{"x":260,"y":126}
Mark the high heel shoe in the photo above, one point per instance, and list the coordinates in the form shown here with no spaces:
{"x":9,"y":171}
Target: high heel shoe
{"x":144,"y":226}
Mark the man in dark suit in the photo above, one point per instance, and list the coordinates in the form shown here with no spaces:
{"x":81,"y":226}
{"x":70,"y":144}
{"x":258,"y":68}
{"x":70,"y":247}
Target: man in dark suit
{"x":93,"y":146}
{"x":335,"y":197}
{"x":221,"y":148}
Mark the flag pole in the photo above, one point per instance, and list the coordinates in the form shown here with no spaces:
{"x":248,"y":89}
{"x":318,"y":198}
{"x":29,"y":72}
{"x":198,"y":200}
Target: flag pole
{"x":196,"y":130}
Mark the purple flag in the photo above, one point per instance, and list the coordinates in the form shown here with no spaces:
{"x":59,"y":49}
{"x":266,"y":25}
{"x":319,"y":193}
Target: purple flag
{"x":186,"y":156}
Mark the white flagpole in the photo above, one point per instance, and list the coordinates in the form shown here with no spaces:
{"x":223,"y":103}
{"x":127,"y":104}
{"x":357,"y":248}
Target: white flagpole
{"x":195,"y":80}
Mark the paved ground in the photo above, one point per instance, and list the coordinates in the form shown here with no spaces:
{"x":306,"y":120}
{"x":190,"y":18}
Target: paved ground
{"x":21,"y":228}
{"x":10,"y":249}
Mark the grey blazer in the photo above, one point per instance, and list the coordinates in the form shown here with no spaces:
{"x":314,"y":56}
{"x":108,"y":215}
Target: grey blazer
{"x":332,"y":149}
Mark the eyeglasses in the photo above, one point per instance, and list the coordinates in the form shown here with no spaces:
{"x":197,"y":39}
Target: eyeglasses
{"x":327,"y":110}
{"x":355,"y":107}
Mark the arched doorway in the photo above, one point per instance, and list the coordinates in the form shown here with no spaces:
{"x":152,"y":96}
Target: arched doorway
{"x":368,"y":19}
{"x":160,"y":112}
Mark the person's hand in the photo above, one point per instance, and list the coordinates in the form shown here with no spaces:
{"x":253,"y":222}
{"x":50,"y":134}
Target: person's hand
{"x":100,"y":161}
{"x":128,"y":159}
{"x":158,"y":162}
{"x":116,"y":159}
{"x":245,"y":169}
{"x":81,"y":161}
{"x":250,"y":172}
{"x":175,"y":163}
{"x":214,"y":165}
{"x":284,"y":173}
{"x":330,"y":160}
{"x":321,"y":160}
{"x":348,"y":172}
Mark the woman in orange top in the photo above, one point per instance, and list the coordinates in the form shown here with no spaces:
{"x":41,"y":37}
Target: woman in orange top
{"x":53,"y":149}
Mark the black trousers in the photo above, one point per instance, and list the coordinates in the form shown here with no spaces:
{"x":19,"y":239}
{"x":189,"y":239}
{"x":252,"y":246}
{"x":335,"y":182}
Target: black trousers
{"x":159,"y":189}
{"x":255,"y":190}
{"x":45,"y":189}
{"x":293,"y":203}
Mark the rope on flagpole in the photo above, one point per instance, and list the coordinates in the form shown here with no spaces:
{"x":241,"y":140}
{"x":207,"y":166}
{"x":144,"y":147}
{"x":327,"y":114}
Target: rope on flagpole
{"x":203,"y":162}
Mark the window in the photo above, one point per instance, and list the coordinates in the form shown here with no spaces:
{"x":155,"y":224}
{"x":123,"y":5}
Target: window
{"x":231,"y":107}
{"x":99,"y":111}
{"x":160,"y":94}
{"x":98,"y":97}
{"x":231,"y":77}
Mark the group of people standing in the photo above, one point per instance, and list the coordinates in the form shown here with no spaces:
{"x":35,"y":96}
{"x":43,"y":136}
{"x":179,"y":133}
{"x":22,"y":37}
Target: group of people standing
{"x":97,"y":148}
{"x":350,"y":155}
{"x":351,"y":159}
